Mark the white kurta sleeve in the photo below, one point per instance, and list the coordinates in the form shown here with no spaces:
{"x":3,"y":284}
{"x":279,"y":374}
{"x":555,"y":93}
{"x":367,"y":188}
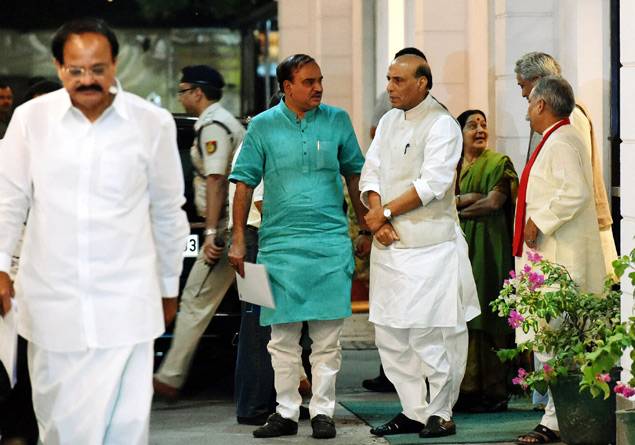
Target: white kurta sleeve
{"x":369,"y":179}
{"x":441,"y":155}
{"x":570,"y":192}
{"x":169,"y":222}
{"x":15,"y":188}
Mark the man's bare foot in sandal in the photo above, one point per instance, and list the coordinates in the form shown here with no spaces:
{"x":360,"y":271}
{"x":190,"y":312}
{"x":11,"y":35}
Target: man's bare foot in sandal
{"x":540,"y":434}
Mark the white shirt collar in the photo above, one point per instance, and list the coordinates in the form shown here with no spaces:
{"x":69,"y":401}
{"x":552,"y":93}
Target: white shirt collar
{"x":419,"y":110}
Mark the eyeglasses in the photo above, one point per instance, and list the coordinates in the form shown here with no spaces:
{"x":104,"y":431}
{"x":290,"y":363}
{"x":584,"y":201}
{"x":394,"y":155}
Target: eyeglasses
{"x":185,"y":90}
{"x":80,"y":71}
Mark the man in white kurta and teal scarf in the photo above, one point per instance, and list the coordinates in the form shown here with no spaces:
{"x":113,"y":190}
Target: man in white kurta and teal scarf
{"x":300,"y":149}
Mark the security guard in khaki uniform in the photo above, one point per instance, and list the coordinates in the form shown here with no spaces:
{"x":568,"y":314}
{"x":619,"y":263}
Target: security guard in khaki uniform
{"x":218,"y":133}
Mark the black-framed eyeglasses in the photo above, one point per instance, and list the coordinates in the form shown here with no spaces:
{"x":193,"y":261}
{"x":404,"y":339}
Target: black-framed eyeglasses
{"x":185,"y":90}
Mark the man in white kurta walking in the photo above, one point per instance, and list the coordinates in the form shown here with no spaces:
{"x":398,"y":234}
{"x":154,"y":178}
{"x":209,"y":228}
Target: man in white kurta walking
{"x":97,"y":171}
{"x":421,"y":287}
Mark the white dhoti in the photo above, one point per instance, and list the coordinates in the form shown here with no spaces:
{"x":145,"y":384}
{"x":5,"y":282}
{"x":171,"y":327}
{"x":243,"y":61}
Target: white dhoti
{"x":286,"y":359}
{"x":195,"y":312}
{"x":97,"y":396}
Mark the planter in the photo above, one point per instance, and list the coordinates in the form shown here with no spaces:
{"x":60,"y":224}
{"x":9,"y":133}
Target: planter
{"x":582,"y":419}
{"x":626,"y":420}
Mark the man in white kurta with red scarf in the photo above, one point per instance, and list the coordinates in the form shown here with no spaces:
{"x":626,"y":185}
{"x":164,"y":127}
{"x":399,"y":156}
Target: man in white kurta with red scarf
{"x":422,"y":290}
{"x":555,"y":210}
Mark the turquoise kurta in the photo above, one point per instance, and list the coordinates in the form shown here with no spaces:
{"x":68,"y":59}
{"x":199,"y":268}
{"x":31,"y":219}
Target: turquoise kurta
{"x":303,"y":239}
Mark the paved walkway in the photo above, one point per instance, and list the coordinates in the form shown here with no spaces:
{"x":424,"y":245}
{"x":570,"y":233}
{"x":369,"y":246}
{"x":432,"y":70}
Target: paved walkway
{"x":210,"y":417}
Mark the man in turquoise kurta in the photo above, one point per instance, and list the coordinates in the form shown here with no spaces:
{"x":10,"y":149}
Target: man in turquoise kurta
{"x":300,"y":149}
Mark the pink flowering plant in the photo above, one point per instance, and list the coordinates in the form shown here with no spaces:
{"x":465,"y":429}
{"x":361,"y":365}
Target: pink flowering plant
{"x":566,"y":322}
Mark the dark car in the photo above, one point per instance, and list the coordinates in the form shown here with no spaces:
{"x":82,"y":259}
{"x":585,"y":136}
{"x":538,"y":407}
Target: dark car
{"x":217,"y":346}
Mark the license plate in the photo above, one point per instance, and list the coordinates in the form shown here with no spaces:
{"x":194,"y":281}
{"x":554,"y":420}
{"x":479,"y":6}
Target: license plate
{"x":191,"y":247}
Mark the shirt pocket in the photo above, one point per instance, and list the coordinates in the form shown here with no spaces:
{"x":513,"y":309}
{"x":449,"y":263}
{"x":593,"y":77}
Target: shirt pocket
{"x":413,"y":151}
{"x":119,"y":171}
{"x":326,"y":156}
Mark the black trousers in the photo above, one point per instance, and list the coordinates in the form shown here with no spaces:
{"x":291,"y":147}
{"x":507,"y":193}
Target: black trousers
{"x":253,"y":379}
{"x":17,"y":418}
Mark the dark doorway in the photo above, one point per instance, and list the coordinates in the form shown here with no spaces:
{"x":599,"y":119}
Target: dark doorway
{"x":614,"y":129}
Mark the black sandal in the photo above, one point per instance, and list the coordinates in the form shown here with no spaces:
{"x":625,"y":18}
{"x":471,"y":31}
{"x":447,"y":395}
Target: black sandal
{"x":438,"y":427}
{"x":540,"y":434}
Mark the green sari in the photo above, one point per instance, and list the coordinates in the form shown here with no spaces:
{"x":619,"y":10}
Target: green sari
{"x":489,"y":238}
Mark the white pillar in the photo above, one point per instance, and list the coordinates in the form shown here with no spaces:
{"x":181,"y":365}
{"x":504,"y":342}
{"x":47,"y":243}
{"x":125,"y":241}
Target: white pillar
{"x":478,"y":60}
{"x":584,"y":55}
{"x":441,"y":32}
{"x":338,"y":33}
{"x":390,"y":36}
{"x":520,"y":27}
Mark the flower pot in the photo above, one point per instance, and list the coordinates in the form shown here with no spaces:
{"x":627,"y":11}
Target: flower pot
{"x":626,"y":419}
{"x":582,"y":419}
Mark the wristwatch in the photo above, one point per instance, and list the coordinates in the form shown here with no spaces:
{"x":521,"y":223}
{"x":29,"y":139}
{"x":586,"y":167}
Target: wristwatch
{"x":387,"y":214}
{"x":210,"y":232}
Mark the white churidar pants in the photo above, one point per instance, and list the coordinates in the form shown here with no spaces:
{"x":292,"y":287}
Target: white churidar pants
{"x":411,"y":355}
{"x":195,"y":313}
{"x":549,"y":419}
{"x":286,"y":358}
{"x":457,"y":341}
{"x":97,"y":396}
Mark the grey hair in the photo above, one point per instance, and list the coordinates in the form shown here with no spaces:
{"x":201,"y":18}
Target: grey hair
{"x":535,"y":65}
{"x":557,"y":94}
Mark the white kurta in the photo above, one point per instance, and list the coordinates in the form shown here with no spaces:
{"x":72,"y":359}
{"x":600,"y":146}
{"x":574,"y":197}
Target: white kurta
{"x":105,"y":232}
{"x":429,"y":286}
{"x":582,"y":124}
{"x":422,"y":287}
{"x":560,"y":202}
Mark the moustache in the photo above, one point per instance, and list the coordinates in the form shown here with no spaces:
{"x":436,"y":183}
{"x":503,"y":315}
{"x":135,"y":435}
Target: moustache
{"x":93,"y":87}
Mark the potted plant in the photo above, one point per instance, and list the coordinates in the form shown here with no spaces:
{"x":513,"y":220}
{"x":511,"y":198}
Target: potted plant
{"x":608,"y":353}
{"x":569,"y":325}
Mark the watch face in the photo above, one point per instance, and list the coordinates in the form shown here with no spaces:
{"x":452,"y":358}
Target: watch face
{"x":387,"y":213}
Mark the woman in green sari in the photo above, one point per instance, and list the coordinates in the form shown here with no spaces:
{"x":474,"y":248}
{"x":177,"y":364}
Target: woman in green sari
{"x":485,"y":195}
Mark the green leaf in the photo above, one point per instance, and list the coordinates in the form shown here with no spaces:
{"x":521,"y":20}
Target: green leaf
{"x":620,"y":265}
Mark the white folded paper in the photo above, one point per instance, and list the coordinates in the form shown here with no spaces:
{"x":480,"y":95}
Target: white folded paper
{"x":9,"y":342}
{"x":255,"y":287}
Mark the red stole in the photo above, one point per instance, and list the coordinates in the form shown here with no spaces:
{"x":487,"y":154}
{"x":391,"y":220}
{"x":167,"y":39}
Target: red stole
{"x":521,"y":204}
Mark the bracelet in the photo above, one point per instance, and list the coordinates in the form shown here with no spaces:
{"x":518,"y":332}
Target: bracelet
{"x":364,"y":232}
{"x":210,"y":232}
